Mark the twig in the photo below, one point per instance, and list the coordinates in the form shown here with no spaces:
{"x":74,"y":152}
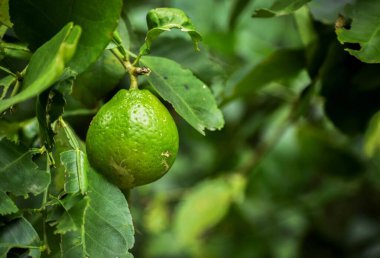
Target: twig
{"x":44,"y":211}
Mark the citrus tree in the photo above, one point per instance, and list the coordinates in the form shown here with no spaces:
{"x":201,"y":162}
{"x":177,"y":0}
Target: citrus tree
{"x":105,"y":107}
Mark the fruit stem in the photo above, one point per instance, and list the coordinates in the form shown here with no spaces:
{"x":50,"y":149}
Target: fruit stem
{"x":132,"y":70}
{"x":134,"y":85}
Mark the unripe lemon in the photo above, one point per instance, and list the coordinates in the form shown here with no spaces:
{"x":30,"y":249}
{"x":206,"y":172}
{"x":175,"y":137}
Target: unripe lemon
{"x":133,"y":139}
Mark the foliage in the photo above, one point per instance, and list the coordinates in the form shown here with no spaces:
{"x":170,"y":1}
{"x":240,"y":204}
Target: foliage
{"x":363,"y":32}
{"x":176,"y":86}
{"x":276,"y":103}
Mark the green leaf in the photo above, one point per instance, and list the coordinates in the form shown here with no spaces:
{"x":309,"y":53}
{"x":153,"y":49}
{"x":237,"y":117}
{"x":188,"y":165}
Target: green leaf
{"x":350,"y":97}
{"x":72,"y":158}
{"x":103,"y":223}
{"x":18,"y":173}
{"x":44,"y":101}
{"x":5,"y":84}
{"x":190,"y":97}
{"x":372,"y":136}
{"x":205,"y":205}
{"x":120,"y":38}
{"x":15,"y":50}
{"x":237,"y":8}
{"x":19,"y":233}
{"x":7,"y":206}
{"x":122,"y":31}
{"x":97,"y":18}
{"x":75,"y":171}
{"x":280,"y":7}
{"x":156,"y":216}
{"x":327,"y":11}
{"x":29,"y":128}
{"x":71,"y":137}
{"x":46,"y":65}
{"x":71,"y":209}
{"x":9,"y":130}
{"x":282,"y":67}
{"x":164,"y":19}
{"x":305,"y":26}
{"x":3,"y":30}
{"x":65,"y":86}
{"x":365,"y":30}
{"x":309,"y":37}
{"x":98,"y":80}
{"x":50,"y":106}
{"x":4,"y":13}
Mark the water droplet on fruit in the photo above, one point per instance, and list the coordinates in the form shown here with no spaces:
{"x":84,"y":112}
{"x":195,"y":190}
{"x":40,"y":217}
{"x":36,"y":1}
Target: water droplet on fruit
{"x":106,"y":118}
{"x":140,"y":116}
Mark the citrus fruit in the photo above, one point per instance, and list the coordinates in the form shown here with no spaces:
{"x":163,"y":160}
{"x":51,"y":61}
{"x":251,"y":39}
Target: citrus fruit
{"x":133,"y":139}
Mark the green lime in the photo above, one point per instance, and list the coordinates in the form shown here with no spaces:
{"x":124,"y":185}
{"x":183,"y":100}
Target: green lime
{"x":133,"y":139}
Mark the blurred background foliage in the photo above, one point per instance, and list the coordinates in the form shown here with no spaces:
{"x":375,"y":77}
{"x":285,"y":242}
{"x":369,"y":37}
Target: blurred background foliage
{"x":295,"y":170}
{"x":288,"y":176}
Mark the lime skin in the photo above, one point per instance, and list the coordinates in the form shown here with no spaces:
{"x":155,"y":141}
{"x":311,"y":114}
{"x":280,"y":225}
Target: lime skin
{"x":133,"y":139}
